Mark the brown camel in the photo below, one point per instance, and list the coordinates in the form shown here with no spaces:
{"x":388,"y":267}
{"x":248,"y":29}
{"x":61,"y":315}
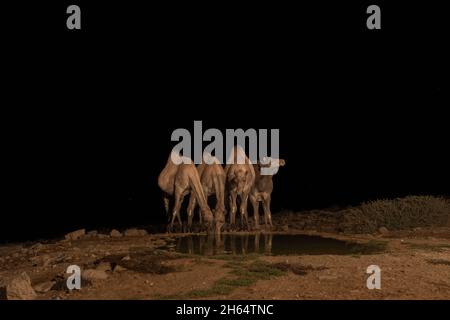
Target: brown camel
{"x":262,"y":191}
{"x":240,"y":177}
{"x":178,"y":180}
{"x":212,"y":178}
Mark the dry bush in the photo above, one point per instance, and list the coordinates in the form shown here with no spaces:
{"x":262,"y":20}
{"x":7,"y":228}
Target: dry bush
{"x":396,"y":214}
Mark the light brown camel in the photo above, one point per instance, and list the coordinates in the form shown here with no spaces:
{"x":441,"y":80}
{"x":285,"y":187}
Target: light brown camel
{"x":262,"y":191}
{"x":178,"y":180}
{"x":212,"y":178}
{"x":240,"y":177}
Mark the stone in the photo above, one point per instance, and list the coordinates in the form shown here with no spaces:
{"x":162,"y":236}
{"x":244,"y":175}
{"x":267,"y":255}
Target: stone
{"x":135,"y":232}
{"x":102,"y":236}
{"x":92,"y":274}
{"x":17,"y":288}
{"x":115,"y":233}
{"x":75,"y":235}
{"x":285,"y":228}
{"x":383,"y":230}
{"x":91,"y":234}
{"x":126,"y":258}
{"x":41,"y":261}
{"x":44,"y":287}
{"x":119,"y":268}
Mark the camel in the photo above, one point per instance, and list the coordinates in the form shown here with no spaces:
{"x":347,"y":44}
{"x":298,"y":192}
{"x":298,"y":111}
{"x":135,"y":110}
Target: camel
{"x":240,"y":177}
{"x":178,"y":180}
{"x":212,"y":178}
{"x":262,"y":191}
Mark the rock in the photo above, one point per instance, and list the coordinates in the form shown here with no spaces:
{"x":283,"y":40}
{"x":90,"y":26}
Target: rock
{"x":91,"y":234}
{"x":135,"y":232}
{"x":44,"y":286}
{"x":119,"y":268}
{"x":102,"y":236}
{"x":115,"y":233}
{"x":92,"y":274}
{"x":75,"y":235}
{"x":126,"y":258}
{"x":285,"y":228}
{"x":41,"y":261}
{"x":17,"y":288}
{"x":104,"y":266}
{"x":383,"y":230}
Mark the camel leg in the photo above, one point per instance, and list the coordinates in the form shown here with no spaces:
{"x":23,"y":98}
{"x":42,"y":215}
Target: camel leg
{"x":243,"y":209}
{"x":267,"y":214}
{"x":255,"y":204}
{"x":233,"y":209}
{"x":191,"y":209}
{"x":166,"y":199}
{"x":176,"y":208}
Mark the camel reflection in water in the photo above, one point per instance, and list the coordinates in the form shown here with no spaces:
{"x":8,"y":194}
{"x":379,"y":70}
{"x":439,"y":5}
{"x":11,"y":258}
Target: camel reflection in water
{"x":209,"y":245}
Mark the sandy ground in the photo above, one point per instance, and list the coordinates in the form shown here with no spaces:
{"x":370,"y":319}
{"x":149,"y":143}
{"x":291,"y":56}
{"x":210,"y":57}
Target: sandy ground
{"x":415,"y":265}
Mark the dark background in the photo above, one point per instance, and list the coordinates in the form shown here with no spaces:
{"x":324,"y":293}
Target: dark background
{"x":361,"y":113}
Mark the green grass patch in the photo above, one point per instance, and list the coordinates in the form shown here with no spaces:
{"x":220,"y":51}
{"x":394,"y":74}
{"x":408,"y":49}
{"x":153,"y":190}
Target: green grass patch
{"x":243,"y":274}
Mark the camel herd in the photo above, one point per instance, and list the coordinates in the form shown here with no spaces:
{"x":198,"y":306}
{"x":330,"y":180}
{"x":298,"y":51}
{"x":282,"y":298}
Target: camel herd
{"x":239,"y":179}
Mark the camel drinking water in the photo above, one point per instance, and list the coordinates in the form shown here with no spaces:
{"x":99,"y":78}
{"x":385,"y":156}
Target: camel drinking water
{"x":240,"y":177}
{"x":177,"y":179}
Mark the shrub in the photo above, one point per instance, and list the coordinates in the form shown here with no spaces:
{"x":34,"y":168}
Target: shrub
{"x":396,"y":214}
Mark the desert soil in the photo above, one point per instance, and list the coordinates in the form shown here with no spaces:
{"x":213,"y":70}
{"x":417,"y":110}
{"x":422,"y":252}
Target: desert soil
{"x":414,"y":265}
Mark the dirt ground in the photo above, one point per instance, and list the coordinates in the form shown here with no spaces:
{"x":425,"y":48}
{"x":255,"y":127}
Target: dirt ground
{"x":414,"y":265}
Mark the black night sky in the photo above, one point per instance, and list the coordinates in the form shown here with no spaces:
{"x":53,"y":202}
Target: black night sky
{"x":361,"y":114}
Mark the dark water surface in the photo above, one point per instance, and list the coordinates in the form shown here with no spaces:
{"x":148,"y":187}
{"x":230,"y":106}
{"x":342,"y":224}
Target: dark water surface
{"x":270,"y":244}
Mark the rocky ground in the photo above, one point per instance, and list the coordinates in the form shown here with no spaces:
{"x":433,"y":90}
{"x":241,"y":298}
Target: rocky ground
{"x":130,"y":265}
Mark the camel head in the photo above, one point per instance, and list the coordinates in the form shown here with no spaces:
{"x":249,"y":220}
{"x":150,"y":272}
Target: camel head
{"x":208,"y":218}
{"x":269,"y":166}
{"x":219,"y":220}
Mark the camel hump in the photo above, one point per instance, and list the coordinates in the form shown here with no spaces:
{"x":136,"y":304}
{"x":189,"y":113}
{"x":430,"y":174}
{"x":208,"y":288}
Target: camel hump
{"x":238,"y":156}
{"x":176,"y":159}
